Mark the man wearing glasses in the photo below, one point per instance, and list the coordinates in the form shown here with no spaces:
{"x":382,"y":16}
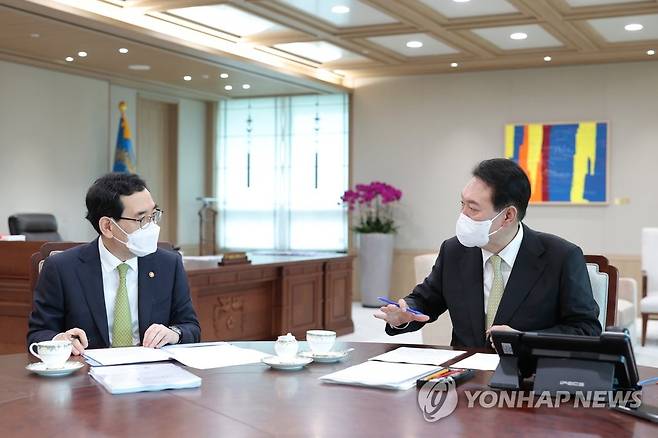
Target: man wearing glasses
{"x":119,"y":290}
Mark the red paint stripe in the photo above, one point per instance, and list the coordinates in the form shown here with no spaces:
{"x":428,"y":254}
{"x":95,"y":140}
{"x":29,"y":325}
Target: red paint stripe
{"x":545,"y":154}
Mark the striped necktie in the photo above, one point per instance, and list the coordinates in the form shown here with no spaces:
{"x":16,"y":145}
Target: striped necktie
{"x":497,"y":289}
{"x":122,"y":332}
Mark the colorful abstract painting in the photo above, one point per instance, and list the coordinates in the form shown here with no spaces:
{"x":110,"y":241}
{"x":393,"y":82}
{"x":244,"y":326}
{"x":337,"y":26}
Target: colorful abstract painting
{"x":565,"y":162}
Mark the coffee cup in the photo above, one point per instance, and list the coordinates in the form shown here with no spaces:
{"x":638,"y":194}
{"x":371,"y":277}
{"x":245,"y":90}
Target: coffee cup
{"x":320,"y":341}
{"x":53,"y":354}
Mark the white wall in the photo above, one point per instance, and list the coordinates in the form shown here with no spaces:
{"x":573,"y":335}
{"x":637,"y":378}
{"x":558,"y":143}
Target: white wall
{"x":53,"y":144}
{"x":58,"y":134}
{"x":424,"y":135}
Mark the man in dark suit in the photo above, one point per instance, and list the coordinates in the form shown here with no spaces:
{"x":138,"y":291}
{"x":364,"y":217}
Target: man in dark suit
{"x":497,"y":273}
{"x":120,"y":289}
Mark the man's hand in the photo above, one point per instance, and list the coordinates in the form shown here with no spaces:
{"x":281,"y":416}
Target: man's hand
{"x":158,"y":336}
{"x":498,"y":328}
{"x":78,"y":339}
{"x":396,"y":316}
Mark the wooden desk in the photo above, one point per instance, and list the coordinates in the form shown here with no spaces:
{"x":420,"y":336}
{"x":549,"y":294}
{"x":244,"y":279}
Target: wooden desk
{"x":259,"y":301}
{"x":254,"y":401}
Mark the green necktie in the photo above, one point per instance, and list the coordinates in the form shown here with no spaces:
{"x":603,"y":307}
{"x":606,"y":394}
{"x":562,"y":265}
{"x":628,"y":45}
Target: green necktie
{"x":497,"y":289}
{"x":122,"y":331}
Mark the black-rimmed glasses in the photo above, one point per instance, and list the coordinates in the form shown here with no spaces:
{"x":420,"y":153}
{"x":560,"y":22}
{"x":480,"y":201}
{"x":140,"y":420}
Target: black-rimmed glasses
{"x":145,"y":221}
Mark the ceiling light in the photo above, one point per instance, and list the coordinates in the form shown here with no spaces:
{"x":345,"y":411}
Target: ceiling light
{"x":228,"y":87}
{"x":633,"y":27}
{"x":651,"y":52}
{"x":519,"y":36}
{"x":69,"y":59}
{"x":187,"y":78}
{"x":223,"y":75}
{"x":123,"y":50}
{"x":548,"y":58}
{"x":454,"y":64}
{"x":139,"y":67}
{"x":414,"y":44}
{"x":35,"y":35}
{"x":246,"y":86}
{"x":82,"y":54}
{"x":205,"y":76}
{"x":340,"y":9}
{"x":461,"y":1}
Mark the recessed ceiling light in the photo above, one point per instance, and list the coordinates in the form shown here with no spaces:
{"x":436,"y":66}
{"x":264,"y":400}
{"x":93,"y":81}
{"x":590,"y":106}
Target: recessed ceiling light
{"x":228,"y":87}
{"x":454,"y":64}
{"x":651,"y":52}
{"x":69,"y":59}
{"x":34,"y":35}
{"x":519,"y":36}
{"x":205,"y":76}
{"x":633,"y":27}
{"x":223,"y":75}
{"x":461,"y":1}
{"x":340,"y":9}
{"x":123,"y":50}
{"x":246,"y":86}
{"x":139,"y":67}
{"x":82,"y":54}
{"x":548,"y":58}
{"x":414,"y":44}
{"x":187,"y":78}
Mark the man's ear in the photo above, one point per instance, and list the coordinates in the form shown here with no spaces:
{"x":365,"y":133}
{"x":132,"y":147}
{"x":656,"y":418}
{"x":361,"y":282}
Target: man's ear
{"x":105,"y":226}
{"x":511,"y":214}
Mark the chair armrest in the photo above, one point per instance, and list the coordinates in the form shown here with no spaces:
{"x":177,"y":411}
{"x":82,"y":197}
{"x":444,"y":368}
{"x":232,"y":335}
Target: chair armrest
{"x":628,"y":291}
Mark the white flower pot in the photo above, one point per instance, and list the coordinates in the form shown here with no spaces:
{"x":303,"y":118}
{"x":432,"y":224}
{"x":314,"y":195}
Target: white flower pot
{"x":375,"y":264}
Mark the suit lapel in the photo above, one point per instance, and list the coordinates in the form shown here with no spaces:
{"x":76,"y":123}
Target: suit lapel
{"x":145,"y":292}
{"x":527,"y":269}
{"x":91,"y":280}
{"x":471,"y":271}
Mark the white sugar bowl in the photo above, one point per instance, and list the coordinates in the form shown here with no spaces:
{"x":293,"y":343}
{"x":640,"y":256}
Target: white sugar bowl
{"x":286,"y":346}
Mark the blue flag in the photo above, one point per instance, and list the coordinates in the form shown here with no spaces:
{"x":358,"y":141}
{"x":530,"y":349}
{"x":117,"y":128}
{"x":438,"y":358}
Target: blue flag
{"x":124,"y":158}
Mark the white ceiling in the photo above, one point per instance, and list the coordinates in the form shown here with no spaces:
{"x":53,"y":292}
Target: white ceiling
{"x":360,"y":14}
{"x":612,"y":29}
{"x":228,"y":19}
{"x":320,"y":51}
{"x":473,"y":8}
{"x":580,"y":3}
{"x":538,"y":37}
{"x":398,"y":43}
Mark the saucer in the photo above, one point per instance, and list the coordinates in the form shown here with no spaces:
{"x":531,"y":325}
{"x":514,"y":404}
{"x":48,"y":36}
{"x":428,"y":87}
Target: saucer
{"x":330,"y":357}
{"x":69,"y":367}
{"x":296,"y":363}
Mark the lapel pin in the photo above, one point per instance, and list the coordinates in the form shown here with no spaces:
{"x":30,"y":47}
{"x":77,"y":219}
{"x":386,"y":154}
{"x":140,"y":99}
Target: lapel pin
{"x":151,"y":274}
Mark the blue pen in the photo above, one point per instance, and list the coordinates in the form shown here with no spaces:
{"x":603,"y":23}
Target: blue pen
{"x":409,"y":309}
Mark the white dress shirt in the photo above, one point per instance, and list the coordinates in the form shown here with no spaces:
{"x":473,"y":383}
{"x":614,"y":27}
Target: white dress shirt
{"x":109,"y":263}
{"x":508,"y":256}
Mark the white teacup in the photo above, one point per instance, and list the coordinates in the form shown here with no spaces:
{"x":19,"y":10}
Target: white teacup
{"x":53,"y":354}
{"x":320,"y":341}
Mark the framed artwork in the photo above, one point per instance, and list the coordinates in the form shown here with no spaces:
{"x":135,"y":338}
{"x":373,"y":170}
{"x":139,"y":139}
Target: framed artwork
{"x":566,"y":163}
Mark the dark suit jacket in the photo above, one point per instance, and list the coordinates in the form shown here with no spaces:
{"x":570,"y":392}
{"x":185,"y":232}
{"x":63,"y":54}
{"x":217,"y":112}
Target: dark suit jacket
{"x":548,"y":290}
{"x":69,"y":293}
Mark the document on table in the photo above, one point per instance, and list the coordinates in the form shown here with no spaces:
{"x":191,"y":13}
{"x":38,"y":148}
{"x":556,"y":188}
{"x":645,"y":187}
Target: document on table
{"x":123,"y":379}
{"x":386,"y":375}
{"x":215,"y":356}
{"x":420,"y":356}
{"x":479,"y":361}
{"x":124,"y":355}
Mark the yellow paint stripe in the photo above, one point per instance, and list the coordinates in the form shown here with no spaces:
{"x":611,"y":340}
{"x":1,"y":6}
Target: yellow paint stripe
{"x":584,"y":160}
{"x":535,"y":137}
{"x":509,"y":141}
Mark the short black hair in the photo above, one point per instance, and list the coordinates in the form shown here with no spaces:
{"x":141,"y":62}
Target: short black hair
{"x":103,"y":197}
{"x":509,"y":183}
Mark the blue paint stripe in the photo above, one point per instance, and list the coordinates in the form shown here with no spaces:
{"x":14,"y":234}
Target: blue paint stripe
{"x":560,"y":165}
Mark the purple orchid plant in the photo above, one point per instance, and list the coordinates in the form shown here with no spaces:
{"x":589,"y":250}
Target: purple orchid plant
{"x":374,"y":203}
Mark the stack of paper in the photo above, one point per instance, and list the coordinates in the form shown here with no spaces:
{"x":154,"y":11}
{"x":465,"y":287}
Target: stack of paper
{"x":378,"y":374}
{"x":123,"y":379}
{"x":426,"y":356}
{"x":124,"y":355}
{"x":215,"y":356}
{"x":479,"y":361}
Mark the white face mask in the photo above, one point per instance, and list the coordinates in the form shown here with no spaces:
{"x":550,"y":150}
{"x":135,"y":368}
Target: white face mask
{"x":143,"y":241}
{"x":472,"y":233}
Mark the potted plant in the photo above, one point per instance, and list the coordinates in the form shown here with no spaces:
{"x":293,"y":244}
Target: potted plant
{"x":373,"y":207}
